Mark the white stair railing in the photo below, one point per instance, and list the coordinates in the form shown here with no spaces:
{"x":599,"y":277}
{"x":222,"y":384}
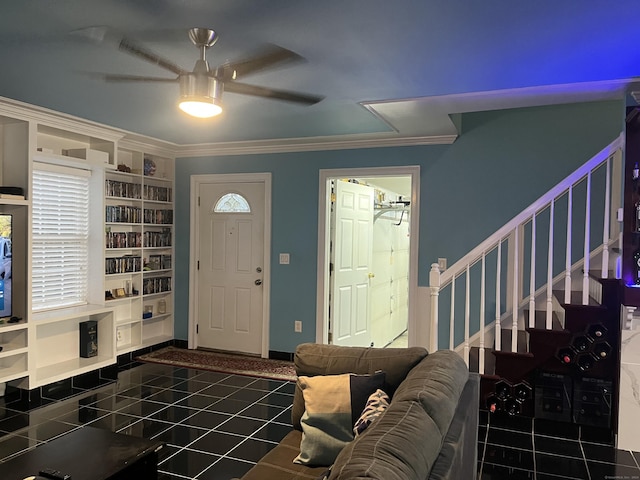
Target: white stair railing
{"x":585,"y":200}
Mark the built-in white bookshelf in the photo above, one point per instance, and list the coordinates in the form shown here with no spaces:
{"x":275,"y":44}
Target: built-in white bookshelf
{"x":44,"y":347}
{"x":139,"y":239}
{"x":15,"y":170}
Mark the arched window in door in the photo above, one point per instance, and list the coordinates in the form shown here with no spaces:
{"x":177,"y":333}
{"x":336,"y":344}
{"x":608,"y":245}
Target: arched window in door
{"x":232,"y":203}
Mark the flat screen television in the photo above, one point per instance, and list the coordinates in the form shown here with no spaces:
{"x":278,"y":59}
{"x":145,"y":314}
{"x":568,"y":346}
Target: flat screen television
{"x":6,"y":221}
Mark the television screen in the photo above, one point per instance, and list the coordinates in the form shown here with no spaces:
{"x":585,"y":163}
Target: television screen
{"x":5,"y":265}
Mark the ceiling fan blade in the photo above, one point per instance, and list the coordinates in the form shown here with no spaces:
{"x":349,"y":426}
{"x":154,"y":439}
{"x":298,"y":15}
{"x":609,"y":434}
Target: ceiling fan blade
{"x":111,"y":77}
{"x":269,"y":57}
{"x":132,"y":47}
{"x":289,"y":96}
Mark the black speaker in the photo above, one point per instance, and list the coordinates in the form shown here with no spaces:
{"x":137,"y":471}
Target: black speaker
{"x":89,"y":338}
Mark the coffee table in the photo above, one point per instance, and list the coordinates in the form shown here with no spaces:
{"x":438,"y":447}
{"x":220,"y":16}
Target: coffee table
{"x":89,"y":454}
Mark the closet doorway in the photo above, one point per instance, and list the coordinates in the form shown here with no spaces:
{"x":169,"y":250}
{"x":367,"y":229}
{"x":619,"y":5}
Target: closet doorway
{"x":367,"y":256}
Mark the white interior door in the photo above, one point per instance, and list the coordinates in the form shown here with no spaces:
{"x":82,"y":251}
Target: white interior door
{"x":230,"y":271}
{"x":352,"y":258}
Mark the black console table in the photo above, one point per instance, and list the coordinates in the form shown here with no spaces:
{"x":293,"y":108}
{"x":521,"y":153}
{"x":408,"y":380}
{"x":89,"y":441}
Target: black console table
{"x":89,"y":454}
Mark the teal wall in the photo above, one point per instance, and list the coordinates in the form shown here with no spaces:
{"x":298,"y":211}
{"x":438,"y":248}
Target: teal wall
{"x":502,"y":162}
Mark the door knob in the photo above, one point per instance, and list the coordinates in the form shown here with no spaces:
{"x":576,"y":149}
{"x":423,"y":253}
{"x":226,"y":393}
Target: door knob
{"x":258,"y":282}
{"x":371,"y":275}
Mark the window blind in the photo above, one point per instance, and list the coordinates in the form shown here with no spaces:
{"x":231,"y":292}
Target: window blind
{"x":60,"y":236}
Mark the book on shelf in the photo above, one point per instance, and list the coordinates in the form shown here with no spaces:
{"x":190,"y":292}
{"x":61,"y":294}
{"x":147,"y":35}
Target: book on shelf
{"x":11,"y":196}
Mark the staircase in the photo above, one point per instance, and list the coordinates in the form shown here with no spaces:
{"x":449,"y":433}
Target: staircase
{"x":568,"y":373}
{"x":528,"y":312}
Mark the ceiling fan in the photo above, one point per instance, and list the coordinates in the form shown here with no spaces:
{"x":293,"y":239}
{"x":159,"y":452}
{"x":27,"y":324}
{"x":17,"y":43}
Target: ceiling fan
{"x":201,"y":89}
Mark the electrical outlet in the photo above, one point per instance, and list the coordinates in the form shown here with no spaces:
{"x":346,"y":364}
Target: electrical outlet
{"x":297,"y":326}
{"x":284,"y":259}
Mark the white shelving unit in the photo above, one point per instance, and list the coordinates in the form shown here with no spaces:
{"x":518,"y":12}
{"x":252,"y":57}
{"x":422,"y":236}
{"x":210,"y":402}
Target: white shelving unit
{"x":15,"y":170}
{"x":44,"y":347}
{"x":58,"y":339}
{"x":143,"y":245}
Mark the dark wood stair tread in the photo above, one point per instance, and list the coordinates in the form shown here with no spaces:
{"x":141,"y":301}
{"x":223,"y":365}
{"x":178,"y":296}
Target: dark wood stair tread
{"x":575,"y":300}
{"x":540,"y":320}
{"x":505,"y":340}
{"x":489,"y":360}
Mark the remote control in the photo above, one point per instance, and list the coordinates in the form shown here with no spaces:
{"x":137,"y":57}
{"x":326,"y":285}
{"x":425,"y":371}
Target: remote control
{"x":53,"y":474}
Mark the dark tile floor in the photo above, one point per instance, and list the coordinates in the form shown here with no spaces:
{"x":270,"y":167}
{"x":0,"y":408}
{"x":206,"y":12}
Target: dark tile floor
{"x":216,"y":426}
{"x":510,"y":451}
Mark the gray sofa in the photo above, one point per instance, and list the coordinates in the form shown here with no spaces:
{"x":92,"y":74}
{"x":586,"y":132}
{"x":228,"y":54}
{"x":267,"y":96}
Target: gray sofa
{"x":429,"y":431}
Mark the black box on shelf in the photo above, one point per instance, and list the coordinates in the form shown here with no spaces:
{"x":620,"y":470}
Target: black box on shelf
{"x":89,"y":339}
{"x":592,"y":399}
{"x":553,"y":396}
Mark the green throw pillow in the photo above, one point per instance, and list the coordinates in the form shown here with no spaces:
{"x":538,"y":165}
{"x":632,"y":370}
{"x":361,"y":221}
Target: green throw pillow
{"x":333,"y":404}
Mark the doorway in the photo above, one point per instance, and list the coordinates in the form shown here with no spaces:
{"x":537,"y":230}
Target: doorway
{"x":230,"y":218}
{"x":356,"y":306}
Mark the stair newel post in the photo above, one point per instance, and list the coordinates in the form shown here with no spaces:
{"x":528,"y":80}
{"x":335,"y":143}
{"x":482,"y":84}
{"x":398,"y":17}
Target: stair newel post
{"x":567,"y":264}
{"x":607,"y":221}
{"x":586,"y":253}
{"x":482,"y":312}
{"x":467,"y":314}
{"x":497,"y":340}
{"x":549,"y":309}
{"x":532,"y":274}
{"x":434,"y":288}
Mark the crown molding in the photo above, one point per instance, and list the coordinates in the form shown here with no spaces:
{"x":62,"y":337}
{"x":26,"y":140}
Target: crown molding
{"x":149,"y":145}
{"x":51,"y":118}
{"x":416,"y":121}
{"x":311,"y":144}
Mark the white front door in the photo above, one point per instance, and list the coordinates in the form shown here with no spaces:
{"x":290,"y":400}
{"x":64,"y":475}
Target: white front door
{"x":230,"y":266}
{"x":352,"y":258}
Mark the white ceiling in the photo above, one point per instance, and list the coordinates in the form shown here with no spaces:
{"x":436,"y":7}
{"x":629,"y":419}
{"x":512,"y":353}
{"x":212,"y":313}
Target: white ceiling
{"x":387,"y":70}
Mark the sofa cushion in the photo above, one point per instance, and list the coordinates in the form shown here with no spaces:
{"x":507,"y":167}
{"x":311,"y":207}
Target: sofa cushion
{"x":314,"y":359}
{"x":436,"y":382}
{"x":333,"y":404}
{"x":402,"y":444}
{"x":278,"y":462}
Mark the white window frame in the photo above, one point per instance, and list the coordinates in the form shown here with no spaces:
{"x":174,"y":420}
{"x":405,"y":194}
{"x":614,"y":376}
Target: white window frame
{"x":241,"y":204}
{"x":60,"y":278}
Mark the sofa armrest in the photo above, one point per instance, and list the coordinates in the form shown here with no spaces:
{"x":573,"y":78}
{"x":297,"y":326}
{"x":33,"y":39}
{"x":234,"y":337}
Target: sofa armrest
{"x":458,"y":457}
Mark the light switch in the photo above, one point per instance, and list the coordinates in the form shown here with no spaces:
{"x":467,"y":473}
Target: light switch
{"x":284,"y":259}
{"x":442,"y":264}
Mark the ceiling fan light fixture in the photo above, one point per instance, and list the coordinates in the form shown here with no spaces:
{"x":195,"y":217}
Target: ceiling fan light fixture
{"x":201,"y":107}
{"x":200,"y":95}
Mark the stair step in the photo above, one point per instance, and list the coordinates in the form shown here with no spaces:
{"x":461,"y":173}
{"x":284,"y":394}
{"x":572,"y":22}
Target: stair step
{"x":514,"y":365}
{"x":596,"y":274}
{"x":522,"y":341}
{"x":489,"y":360}
{"x":540,"y":320}
{"x":575,"y":299}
